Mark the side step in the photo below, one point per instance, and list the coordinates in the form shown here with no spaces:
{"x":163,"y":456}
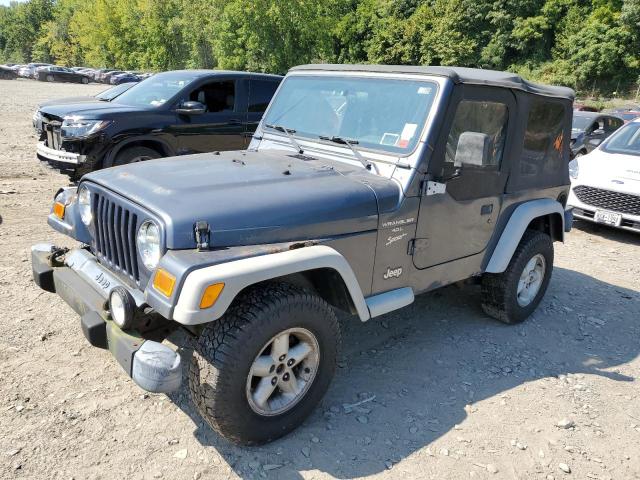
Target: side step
{"x":389,"y":301}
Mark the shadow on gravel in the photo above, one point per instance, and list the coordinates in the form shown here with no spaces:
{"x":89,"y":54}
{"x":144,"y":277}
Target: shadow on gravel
{"x":428,"y":364}
{"x":610,"y":233}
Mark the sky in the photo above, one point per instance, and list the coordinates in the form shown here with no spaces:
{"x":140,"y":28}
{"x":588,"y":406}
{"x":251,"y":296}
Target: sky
{"x":7,"y":2}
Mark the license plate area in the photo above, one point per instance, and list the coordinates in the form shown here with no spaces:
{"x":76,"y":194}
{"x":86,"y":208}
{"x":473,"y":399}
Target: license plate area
{"x":608,"y":218}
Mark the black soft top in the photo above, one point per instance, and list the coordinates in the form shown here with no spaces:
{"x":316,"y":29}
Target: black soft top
{"x":475,"y":76}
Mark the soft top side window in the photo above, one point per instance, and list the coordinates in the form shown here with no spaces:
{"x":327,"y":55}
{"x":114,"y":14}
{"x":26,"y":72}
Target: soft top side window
{"x":488,"y":118}
{"x":543,"y":140}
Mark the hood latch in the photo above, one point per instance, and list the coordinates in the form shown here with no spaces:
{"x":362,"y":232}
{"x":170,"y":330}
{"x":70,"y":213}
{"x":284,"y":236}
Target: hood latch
{"x":203,"y":235}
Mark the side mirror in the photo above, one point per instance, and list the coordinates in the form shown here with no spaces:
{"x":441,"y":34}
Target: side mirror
{"x":191,"y":108}
{"x":473,"y":149}
{"x":594,"y":141}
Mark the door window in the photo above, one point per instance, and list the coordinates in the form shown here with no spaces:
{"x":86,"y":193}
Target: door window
{"x":260,"y":93}
{"x":216,"y":96}
{"x":489,"y":118}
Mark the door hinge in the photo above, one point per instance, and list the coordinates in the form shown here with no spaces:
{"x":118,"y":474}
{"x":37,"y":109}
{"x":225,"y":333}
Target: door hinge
{"x":429,"y":187}
{"x":411,"y":246}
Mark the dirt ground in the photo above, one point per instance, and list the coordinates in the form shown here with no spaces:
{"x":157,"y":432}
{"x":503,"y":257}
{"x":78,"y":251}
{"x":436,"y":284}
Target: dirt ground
{"x":444,"y":392}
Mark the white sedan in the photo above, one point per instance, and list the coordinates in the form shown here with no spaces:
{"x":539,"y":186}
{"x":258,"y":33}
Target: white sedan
{"x":605,"y":184}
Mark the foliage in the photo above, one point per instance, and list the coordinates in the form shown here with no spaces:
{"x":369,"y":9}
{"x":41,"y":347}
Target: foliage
{"x":586,"y":44}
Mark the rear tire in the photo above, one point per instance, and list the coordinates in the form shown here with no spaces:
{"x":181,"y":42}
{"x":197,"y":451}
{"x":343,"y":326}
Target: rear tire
{"x":223,"y":382}
{"x":50,"y":78}
{"x":511,"y":296}
{"x":135,"y":154}
{"x":85,"y":80}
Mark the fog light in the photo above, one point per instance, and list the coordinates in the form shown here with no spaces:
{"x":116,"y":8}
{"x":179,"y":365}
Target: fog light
{"x":122,"y":307}
{"x":210,"y":295}
{"x":58,"y":210}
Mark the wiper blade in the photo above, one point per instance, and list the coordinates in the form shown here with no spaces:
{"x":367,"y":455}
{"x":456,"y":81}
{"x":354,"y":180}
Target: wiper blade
{"x":350,"y":143}
{"x":288,"y":132}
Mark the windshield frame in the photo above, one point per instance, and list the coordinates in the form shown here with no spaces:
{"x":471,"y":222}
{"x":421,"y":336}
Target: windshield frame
{"x":605,"y":145}
{"x":169,"y":103}
{"x":329,"y":146}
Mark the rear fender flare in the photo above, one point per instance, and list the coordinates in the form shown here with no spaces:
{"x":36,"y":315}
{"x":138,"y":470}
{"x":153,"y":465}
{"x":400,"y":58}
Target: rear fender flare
{"x":520,"y":219}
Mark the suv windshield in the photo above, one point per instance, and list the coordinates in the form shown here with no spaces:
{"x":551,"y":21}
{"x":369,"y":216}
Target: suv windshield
{"x":156,"y":90}
{"x":376,"y":113}
{"x":111,"y":93}
{"x":625,"y":141}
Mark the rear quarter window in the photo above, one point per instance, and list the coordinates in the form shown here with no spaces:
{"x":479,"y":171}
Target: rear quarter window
{"x":542,"y":154}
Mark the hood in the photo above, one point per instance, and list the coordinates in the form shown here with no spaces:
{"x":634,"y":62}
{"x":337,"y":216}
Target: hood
{"x":93,"y":110}
{"x":611,"y":171}
{"x":67,"y":101}
{"x":251,"y":198}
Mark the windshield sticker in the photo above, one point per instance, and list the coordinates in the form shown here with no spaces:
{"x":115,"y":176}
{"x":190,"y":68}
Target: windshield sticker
{"x":424,"y":90}
{"x":389,"y":139}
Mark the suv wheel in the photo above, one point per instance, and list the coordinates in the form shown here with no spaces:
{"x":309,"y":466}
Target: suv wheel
{"x":260,"y":370}
{"x":84,"y":80}
{"x":135,"y":154}
{"x":50,"y":78}
{"x":511,"y":296}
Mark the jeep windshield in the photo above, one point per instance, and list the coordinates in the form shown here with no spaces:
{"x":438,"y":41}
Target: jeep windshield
{"x":156,"y":90}
{"x":374,"y":113}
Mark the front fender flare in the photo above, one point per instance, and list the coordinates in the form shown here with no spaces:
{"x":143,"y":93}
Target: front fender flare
{"x":240,"y":274}
{"x":515,"y":228}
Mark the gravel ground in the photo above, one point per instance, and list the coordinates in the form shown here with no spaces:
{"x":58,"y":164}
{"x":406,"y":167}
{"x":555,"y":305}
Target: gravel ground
{"x":436,"y":390}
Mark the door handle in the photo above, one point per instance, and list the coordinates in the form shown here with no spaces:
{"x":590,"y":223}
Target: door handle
{"x":486,"y":209}
{"x":234,"y":121}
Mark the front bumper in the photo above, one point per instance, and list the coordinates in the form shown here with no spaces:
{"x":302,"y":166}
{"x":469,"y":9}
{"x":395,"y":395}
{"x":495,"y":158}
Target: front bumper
{"x":85,"y":285}
{"x":587,"y":212}
{"x":59,"y":156}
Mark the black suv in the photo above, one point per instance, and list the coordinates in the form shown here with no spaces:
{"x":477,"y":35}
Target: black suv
{"x":171,"y":113}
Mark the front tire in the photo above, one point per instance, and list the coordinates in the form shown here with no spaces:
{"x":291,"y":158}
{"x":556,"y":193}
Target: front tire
{"x":50,"y":78}
{"x":134,"y":155}
{"x":513,"y":295}
{"x":261,"y":369}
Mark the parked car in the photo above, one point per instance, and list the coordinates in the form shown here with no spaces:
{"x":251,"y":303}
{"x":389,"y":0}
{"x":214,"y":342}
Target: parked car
{"x":60,"y":74}
{"x":628,"y":115}
{"x":106,"y":76}
{"x":605,"y":185}
{"x":105,"y":96}
{"x":7,"y":73}
{"x":581,"y":107}
{"x":29,"y":70}
{"x":171,"y":113}
{"x":123,"y":78}
{"x":363,"y":186}
{"x":589,"y":129}
{"x":99,"y":73}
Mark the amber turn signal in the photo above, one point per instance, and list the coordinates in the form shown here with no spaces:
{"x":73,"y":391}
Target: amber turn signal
{"x":164,"y":282}
{"x":58,"y":210}
{"x":210,"y":295}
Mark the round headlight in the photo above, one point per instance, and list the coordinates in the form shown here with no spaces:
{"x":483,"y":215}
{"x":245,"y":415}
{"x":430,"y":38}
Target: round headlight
{"x":148,"y":242}
{"x":84,"y":205}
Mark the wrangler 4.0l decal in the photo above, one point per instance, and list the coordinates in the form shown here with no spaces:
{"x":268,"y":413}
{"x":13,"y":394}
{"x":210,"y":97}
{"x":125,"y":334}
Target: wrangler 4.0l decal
{"x":395,"y":223}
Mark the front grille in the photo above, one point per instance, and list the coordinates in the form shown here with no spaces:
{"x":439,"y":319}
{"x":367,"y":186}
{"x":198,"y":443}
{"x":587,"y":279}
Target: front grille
{"x":52,"y":133}
{"x":607,"y":199}
{"x":115,"y":236}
